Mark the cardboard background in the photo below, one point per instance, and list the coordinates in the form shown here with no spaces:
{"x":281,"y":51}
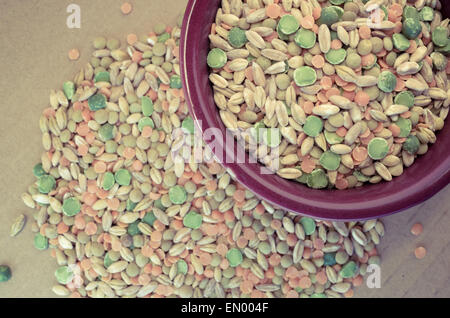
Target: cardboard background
{"x":34,"y":44}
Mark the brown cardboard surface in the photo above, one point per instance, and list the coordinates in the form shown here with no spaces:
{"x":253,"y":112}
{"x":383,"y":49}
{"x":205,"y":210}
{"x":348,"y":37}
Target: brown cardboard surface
{"x":34,"y":44}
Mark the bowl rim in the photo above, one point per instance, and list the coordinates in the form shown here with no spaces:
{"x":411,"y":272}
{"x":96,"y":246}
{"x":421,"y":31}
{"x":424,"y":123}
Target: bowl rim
{"x":326,"y":209}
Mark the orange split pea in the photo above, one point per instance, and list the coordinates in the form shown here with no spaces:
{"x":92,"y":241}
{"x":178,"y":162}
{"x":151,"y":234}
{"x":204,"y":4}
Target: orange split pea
{"x":420,"y":252}
{"x":273,"y":11}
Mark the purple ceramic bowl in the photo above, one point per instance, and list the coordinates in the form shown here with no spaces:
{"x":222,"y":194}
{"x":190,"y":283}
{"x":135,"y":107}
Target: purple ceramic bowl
{"x":424,"y":178}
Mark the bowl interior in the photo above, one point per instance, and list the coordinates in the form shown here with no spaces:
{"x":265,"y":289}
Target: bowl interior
{"x":424,"y":178}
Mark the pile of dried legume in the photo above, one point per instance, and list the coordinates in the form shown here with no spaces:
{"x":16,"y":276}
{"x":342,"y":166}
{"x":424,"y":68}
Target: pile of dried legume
{"x":356,"y":89}
{"x":123,"y":218}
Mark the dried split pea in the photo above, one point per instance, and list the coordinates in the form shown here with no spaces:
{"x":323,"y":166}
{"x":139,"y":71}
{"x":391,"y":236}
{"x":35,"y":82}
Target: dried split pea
{"x":147,"y":106}
{"x":46,"y":183}
{"x":330,"y":160}
{"x":313,"y":126}
{"x":305,"y":76}
{"x":38,"y":171}
{"x":108,"y":181}
{"x":378,"y":148}
{"x":305,"y":38}
{"x":40,"y":242}
{"x":404,"y":98}
{"x":440,"y":36}
{"x":412,"y":144}
{"x":102,"y":77}
{"x":182,"y":267}
{"x":336,"y":56}
{"x":74,"y":54}
{"x":97,"y":102}
{"x":193,"y":220}
{"x":288,"y":24}
{"x":387,"y":81}
{"x":234,"y":257}
{"x":411,"y":28}
{"x":188,"y":125}
{"x":123,"y":177}
{"x":401,"y":43}
{"x":64,"y":275}
{"x":237,"y":37}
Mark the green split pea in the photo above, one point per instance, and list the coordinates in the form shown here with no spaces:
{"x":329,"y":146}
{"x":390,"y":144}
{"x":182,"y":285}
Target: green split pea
{"x":401,"y":43}
{"x":40,"y":242}
{"x":405,"y":126}
{"x":147,"y":106}
{"x":133,"y":228}
{"x":38,"y":171}
{"x":349,"y":270}
{"x":411,"y":145}
{"x":182,"y":267}
{"x":97,"y":102}
{"x":330,"y":161}
{"x":313,"y":126}
{"x":404,"y":98}
{"x":439,"y":36}
{"x":317,"y":179}
{"x":64,"y":275}
{"x":336,"y":56}
{"x":149,"y":218}
{"x":387,"y":81}
{"x":175,"y":81}
{"x":145,"y":122}
{"x":272,"y":137}
{"x":411,"y":28}
{"x":305,"y":38}
{"x":71,"y":206}
{"x":308,"y":224}
{"x":46,"y":183}
{"x":237,"y":37}
{"x":332,"y":138}
{"x":102,"y":77}
{"x":107,"y":132}
{"x":193,"y":220}
{"x":378,"y":148}
{"x":188,"y":125}
{"x":330,"y":15}
{"x":305,"y":76}
{"x":69,"y":89}
{"x":288,"y":24}
{"x":108,"y":181}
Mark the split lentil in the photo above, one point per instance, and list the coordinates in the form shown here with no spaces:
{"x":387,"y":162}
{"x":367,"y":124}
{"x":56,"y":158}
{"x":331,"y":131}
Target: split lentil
{"x":5,"y":273}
